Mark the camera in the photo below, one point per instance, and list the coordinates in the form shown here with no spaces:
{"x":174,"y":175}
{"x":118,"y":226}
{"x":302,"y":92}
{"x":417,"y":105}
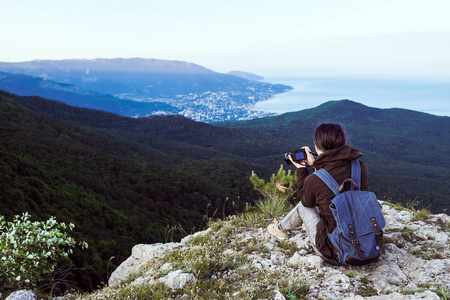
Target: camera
{"x":297,"y":156}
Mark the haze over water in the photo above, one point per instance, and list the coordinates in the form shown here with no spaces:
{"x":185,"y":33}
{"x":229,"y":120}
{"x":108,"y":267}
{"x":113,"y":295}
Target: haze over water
{"x":425,"y":96}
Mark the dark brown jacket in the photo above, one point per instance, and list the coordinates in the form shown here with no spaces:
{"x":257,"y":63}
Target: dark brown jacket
{"x":313,"y":192}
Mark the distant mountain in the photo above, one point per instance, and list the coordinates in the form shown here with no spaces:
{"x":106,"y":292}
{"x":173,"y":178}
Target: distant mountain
{"x":246,"y":75}
{"x":197,"y":92}
{"x":29,"y":86}
{"x":115,"y":76}
{"x":148,"y":78}
{"x":41,"y":67}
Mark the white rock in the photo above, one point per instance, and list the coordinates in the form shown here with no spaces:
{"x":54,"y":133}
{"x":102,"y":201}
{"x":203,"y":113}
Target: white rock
{"x":398,"y":296}
{"x":140,"y":254}
{"x":311,"y":260}
{"x":278,"y":296}
{"x":436,"y":270}
{"x":22,"y":295}
{"x":228,"y":252}
{"x":188,"y":238}
{"x":176,"y":279}
{"x":328,"y":294}
{"x":303,"y":252}
{"x":394,"y":237}
{"x":411,"y":287}
{"x":295,"y":259}
{"x":165,"y":267}
{"x":277,"y":259}
{"x":269,"y":246}
{"x":315,"y":261}
{"x":427,"y":295}
{"x":337,"y":282}
{"x":142,"y":280}
{"x":393,"y":225}
{"x":404,"y":216}
{"x":302,"y":243}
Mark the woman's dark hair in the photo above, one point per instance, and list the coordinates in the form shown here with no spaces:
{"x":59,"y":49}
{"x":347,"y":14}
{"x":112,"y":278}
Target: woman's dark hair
{"x":329,"y":136}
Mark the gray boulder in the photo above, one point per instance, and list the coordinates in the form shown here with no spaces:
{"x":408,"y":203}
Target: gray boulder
{"x":22,"y":295}
{"x":140,"y":254}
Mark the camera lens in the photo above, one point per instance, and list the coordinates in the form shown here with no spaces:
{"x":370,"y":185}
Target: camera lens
{"x":286,"y":158}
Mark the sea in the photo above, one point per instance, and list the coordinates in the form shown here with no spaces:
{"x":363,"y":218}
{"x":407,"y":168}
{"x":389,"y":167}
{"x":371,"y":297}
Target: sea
{"x":431,"y":97}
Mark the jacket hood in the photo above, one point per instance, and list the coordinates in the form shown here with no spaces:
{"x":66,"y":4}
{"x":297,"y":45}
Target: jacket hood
{"x":336,"y":156}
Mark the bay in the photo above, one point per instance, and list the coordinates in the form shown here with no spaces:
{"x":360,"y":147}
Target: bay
{"x":426,"y":96}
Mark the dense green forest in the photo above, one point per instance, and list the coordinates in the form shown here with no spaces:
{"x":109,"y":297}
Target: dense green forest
{"x":124,"y":181}
{"x":408,"y":152}
{"x":118,"y":193}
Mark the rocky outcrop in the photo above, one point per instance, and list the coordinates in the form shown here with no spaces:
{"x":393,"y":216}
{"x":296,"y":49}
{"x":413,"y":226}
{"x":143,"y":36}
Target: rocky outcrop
{"x":416,"y":264}
{"x":140,"y":254}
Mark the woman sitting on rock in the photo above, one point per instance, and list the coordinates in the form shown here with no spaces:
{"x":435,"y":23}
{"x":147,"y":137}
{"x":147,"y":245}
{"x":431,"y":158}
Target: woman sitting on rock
{"x":313,"y":210}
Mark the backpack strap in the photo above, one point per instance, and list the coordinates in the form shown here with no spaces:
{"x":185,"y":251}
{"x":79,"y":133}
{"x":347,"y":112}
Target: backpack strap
{"x":328,"y":179}
{"x":355,"y":242}
{"x":356,"y":172}
{"x":378,"y":234}
{"x":332,"y":183}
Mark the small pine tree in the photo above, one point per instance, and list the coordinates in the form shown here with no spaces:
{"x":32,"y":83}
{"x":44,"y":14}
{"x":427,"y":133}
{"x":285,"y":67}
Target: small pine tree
{"x":276,"y":193}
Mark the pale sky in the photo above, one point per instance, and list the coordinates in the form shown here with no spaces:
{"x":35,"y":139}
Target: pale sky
{"x":387,"y":38}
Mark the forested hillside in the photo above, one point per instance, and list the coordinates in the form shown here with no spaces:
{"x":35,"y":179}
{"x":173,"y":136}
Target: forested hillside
{"x":408,"y":152}
{"x":117,"y":192}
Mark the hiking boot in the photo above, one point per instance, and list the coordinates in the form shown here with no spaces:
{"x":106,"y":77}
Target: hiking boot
{"x":273,"y":230}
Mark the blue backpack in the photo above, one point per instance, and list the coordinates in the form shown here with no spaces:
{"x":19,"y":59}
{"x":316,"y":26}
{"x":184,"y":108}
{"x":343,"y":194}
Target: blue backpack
{"x":358,"y":235}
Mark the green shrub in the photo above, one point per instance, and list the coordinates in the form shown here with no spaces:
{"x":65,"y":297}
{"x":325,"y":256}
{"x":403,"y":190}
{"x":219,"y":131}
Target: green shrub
{"x":421,"y":215}
{"x":29,"y":250}
{"x":294,"y":288}
{"x":391,"y":282}
{"x":250,"y":248}
{"x":442,"y":292}
{"x":276,"y":193}
{"x":288,"y":246}
{"x":364,"y":279}
{"x":367,"y":291}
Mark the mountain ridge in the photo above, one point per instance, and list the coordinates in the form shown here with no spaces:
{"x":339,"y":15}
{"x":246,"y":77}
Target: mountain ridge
{"x":194,"y":91}
{"x":149,"y":65}
{"x":246,"y":75}
{"x":26,"y":85}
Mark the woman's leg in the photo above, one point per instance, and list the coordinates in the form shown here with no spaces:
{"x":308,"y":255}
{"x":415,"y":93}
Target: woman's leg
{"x":292,"y":220}
{"x":306,"y":215}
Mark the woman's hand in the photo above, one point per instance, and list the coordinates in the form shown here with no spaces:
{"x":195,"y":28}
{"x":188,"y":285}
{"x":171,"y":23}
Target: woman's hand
{"x":309,"y":157}
{"x":296,"y":164}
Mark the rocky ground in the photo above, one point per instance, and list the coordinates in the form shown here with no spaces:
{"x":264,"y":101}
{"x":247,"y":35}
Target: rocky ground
{"x":238,"y":259}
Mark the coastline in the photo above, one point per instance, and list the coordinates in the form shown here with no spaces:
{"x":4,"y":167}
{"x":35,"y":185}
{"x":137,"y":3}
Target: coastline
{"x":424,"y":96}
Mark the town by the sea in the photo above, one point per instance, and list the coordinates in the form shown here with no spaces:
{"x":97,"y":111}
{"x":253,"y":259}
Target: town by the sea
{"x":426,"y":96}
